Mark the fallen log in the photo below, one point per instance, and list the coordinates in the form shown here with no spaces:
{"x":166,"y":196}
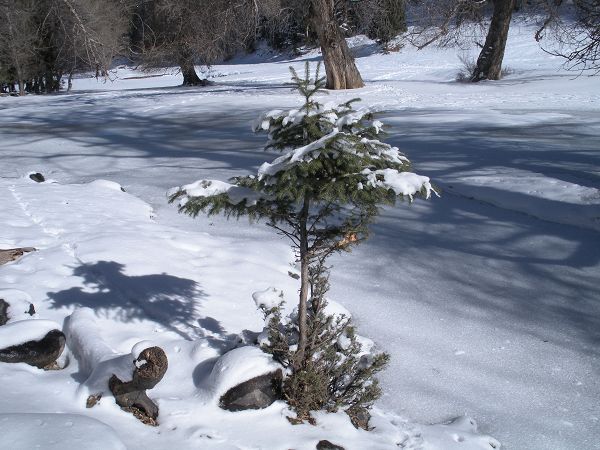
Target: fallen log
{"x":125,"y":376}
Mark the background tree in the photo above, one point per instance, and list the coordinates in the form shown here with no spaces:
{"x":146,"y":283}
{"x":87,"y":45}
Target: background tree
{"x":47,"y":38}
{"x":188,"y":32}
{"x":489,"y":62}
{"x":321,"y":194}
{"x":446,"y":21}
{"x":577,"y":41}
{"x":339,"y":62}
{"x":18,"y":34}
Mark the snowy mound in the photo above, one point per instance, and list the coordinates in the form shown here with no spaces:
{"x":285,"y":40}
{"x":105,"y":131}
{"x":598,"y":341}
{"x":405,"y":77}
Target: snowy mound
{"x":239,"y":365}
{"x":268,"y":299}
{"x":15,"y":333}
{"x":56,"y":432}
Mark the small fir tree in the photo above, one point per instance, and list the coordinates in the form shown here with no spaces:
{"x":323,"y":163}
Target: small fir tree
{"x":322,"y":193}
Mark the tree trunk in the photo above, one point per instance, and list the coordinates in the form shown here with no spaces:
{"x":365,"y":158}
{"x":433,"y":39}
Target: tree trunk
{"x":339,"y":62}
{"x":190,"y":77}
{"x":21,"y":87}
{"x":70,"y":81}
{"x":489,"y":63}
{"x":148,"y":369}
{"x":304,"y":285}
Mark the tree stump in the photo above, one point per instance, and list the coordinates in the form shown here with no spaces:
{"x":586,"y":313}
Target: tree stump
{"x":150,"y":367}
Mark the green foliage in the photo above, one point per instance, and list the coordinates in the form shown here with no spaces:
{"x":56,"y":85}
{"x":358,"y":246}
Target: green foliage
{"x":333,"y":175}
{"x":336,"y":371}
{"x":332,"y":160}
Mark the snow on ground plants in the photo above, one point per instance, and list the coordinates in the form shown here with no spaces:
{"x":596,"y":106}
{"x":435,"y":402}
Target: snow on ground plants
{"x":486,"y":299}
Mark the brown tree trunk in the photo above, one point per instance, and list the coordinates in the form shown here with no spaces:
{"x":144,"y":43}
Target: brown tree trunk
{"x":304,"y":285}
{"x":489,"y":63}
{"x":339,"y":62}
{"x":190,"y":77}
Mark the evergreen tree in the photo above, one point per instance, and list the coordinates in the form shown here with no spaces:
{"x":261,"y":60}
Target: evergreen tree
{"x":321,"y":193}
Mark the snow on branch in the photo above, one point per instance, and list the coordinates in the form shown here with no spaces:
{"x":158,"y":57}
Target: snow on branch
{"x":402,"y":183}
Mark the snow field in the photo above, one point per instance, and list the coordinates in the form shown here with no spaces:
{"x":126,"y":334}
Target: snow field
{"x":487,"y":310}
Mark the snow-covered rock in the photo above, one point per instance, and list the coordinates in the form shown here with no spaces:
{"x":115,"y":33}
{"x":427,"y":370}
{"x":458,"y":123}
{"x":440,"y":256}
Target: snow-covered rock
{"x":15,"y":333}
{"x":239,"y":365}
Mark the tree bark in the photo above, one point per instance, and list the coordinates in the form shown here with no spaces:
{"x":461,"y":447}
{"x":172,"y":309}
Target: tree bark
{"x":150,"y":367}
{"x":190,"y":77}
{"x":489,"y":63}
{"x":339,"y":62}
{"x":304,"y":286}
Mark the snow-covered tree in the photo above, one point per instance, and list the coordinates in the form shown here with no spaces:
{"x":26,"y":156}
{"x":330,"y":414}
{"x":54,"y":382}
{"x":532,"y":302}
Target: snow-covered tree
{"x":321,"y":193}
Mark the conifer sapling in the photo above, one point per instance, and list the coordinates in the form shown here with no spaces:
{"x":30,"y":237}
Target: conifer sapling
{"x":322,"y":193}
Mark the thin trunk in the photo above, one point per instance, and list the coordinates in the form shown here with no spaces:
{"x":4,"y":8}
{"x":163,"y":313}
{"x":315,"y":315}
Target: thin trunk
{"x":304,"y":286}
{"x":489,"y":63}
{"x":70,"y":81}
{"x":21,"y":87}
{"x":339,"y":62}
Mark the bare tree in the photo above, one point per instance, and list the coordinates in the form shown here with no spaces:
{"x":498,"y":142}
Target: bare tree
{"x":577,"y":41}
{"x":47,"y":38}
{"x":18,"y":34}
{"x":489,"y":63}
{"x":188,"y":32}
{"x":89,"y":34}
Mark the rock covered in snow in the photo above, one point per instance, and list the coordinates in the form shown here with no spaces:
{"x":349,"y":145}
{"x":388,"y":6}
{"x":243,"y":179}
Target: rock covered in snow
{"x":12,"y":254}
{"x":268,"y":299}
{"x":256,"y":393}
{"x":238,"y":366}
{"x":37,"y":177}
{"x":107,"y":184}
{"x":19,"y":305}
{"x":3,"y":311}
{"x":38,"y":343}
{"x":326,"y":445}
{"x":56,"y":432}
{"x":16,"y":333}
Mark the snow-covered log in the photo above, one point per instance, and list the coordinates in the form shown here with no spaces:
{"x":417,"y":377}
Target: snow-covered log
{"x":125,"y":376}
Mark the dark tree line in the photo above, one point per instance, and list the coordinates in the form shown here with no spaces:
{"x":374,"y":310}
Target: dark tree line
{"x":44,"y":42}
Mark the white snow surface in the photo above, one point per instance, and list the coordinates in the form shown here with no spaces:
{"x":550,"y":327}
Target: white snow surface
{"x":269,"y":298}
{"x":56,"y":432}
{"x":486,"y":298}
{"x":19,"y":332}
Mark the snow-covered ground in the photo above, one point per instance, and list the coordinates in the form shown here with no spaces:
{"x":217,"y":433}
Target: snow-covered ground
{"x":487,"y":298}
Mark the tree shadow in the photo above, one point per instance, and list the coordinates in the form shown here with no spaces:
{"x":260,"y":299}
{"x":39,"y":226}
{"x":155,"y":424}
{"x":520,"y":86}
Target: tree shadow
{"x":165,"y":299}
